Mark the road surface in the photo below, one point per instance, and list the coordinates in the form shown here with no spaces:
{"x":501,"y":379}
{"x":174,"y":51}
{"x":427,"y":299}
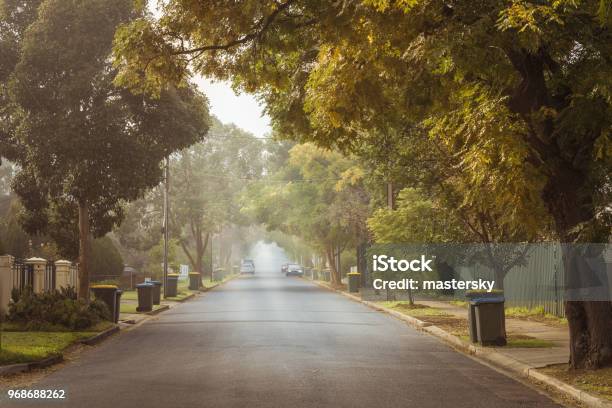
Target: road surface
{"x":273,"y":341}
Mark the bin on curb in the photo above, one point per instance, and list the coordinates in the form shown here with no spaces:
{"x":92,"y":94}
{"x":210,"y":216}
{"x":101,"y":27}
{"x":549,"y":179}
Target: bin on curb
{"x":145,"y":297}
{"x":118,"y":304}
{"x":354,"y":280}
{"x":172,"y":285}
{"x":156,"y":291}
{"x":106,"y":294}
{"x":219,"y":274}
{"x":490,"y":320}
{"x":476,"y":294}
{"x":472,"y":322}
{"x":195,"y":280}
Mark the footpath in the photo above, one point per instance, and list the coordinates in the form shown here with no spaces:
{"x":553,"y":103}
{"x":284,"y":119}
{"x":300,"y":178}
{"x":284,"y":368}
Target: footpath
{"x":537,"y":350}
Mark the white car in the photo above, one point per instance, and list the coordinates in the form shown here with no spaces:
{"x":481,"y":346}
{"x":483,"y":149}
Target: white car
{"x":247,"y":266}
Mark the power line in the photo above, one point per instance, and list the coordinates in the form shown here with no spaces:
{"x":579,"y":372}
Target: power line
{"x":241,"y":137}
{"x":270,"y":181}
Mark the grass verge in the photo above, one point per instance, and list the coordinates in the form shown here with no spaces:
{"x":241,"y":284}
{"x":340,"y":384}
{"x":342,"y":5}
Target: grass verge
{"x":536,"y":314}
{"x":458,"y":326}
{"x":26,"y":347}
{"x":596,"y":382}
{"x":19,"y":327}
{"x":182,"y":291}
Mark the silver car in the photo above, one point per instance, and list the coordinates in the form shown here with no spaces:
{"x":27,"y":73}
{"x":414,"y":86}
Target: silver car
{"x":295,"y":270}
{"x":247,"y":266}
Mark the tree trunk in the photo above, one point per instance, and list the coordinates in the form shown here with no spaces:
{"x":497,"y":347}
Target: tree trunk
{"x":83,"y":290}
{"x":200,"y":250}
{"x":500,"y":275}
{"x":590,"y":321}
{"x":590,"y":325}
{"x":198,"y":265}
{"x":334,"y":273}
{"x":569,"y":203}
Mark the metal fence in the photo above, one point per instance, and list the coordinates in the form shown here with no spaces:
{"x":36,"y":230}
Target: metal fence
{"x":22,"y":275}
{"x":73,"y":277}
{"x":50,"y":276}
{"x":538,"y":276}
{"x":537,"y":283}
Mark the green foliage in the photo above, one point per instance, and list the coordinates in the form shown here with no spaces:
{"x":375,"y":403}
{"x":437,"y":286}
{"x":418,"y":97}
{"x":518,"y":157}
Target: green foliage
{"x":416,"y":220}
{"x":43,"y":311}
{"x":502,"y":107}
{"x":106,"y":261}
{"x":317,"y":195}
{"x":220,"y":167}
{"x":156,"y":257}
{"x":79,"y":140}
{"x":25,"y":347}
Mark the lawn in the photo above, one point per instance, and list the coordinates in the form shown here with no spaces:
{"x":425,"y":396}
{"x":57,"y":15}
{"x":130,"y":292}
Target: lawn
{"x":597,"y":382}
{"x":25,"y":347}
{"x":416,"y":310}
{"x":536,"y":314}
{"x":20,"y":327}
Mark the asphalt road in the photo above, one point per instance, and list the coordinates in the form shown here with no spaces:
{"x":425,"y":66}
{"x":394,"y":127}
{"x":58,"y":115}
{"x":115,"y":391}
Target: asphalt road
{"x":272,"y":341}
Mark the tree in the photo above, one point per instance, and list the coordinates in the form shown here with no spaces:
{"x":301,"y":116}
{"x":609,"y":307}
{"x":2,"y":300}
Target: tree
{"x":15,"y":17}
{"x":518,"y":92}
{"x":318,"y":197}
{"x":85,"y":146}
{"x":206,"y":181}
{"x":106,"y":261}
{"x":141,"y":228}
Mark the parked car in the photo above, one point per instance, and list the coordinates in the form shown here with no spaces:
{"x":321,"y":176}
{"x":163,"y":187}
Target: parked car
{"x":284,"y":268}
{"x":247,"y":266}
{"x":294,"y":270}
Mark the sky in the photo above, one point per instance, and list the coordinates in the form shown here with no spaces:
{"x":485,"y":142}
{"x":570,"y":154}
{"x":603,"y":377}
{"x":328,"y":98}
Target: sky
{"x":243,"y":110}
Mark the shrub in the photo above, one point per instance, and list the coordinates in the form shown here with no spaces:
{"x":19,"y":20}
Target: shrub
{"x":54,"y":309}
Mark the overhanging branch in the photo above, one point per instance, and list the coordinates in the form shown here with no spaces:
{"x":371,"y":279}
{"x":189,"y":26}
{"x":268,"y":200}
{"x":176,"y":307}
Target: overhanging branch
{"x":264,"y":25}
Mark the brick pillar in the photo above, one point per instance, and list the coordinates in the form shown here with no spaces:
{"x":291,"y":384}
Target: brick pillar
{"x":62,"y":274}
{"x":39,"y":265}
{"x":6,"y":282}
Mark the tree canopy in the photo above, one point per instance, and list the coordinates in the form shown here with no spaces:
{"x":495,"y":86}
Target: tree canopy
{"x":510,"y":100}
{"x":84,"y":146}
{"x":317,"y":195}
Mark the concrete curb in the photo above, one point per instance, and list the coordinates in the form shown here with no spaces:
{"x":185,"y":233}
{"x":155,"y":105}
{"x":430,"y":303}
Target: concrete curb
{"x":216,"y":285}
{"x":490,"y":356}
{"x":91,"y":341}
{"x":25,"y":367}
{"x":188,"y":297}
{"x":158,"y":311}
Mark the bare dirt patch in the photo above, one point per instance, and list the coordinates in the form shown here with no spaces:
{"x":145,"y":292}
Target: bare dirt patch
{"x":596,"y":382}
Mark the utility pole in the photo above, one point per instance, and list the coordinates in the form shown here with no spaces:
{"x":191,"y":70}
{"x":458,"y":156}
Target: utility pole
{"x":212,"y":254}
{"x":166,"y":218}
